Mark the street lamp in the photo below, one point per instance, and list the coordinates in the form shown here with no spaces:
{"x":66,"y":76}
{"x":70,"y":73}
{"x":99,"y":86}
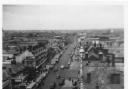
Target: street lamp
{"x":81,"y":51}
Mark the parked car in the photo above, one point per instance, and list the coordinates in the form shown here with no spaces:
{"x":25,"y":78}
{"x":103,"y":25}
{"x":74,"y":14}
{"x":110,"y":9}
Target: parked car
{"x":57,"y":60}
{"x":53,"y":63}
{"x":69,"y":62}
{"x":47,"y":67}
{"x":51,"y":66}
{"x":62,"y":66}
{"x":61,"y":53}
{"x":52,"y":85}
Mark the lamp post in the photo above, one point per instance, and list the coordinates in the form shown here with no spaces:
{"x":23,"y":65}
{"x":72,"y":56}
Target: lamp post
{"x":81,"y":51}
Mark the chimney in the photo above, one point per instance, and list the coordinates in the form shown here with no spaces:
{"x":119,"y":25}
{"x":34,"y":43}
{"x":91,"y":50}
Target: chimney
{"x":86,"y":56}
{"x":100,"y":55}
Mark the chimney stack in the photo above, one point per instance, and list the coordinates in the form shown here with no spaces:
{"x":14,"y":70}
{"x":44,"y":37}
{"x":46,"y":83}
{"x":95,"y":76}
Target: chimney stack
{"x":86,"y":55}
{"x":100,"y":55}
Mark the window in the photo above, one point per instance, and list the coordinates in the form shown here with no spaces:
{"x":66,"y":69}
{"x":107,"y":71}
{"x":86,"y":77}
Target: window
{"x":115,"y":79}
{"x":4,"y":67}
{"x":88,"y":77}
{"x":10,"y":70}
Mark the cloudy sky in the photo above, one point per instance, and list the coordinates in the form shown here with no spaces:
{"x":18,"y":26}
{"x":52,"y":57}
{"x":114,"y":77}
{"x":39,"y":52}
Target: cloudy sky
{"x":32,"y":17}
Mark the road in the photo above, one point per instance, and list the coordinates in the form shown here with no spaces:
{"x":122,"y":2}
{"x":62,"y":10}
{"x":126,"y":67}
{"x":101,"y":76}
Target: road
{"x":63,"y":61}
{"x":66,"y":56}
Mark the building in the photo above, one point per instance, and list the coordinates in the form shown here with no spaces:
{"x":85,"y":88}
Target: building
{"x":102,"y":68}
{"x":6,"y":80}
{"x":105,"y":76}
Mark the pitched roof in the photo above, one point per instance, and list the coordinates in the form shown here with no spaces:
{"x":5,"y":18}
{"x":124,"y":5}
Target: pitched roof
{"x":93,"y":55}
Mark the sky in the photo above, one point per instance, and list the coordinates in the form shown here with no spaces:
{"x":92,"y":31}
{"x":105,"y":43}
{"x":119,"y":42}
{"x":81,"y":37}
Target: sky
{"x":55,"y":17}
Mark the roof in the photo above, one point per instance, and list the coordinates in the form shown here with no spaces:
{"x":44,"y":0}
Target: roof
{"x":5,"y":52}
{"x":90,"y":48}
{"x":28,"y":53}
{"x":8,"y":55}
{"x":119,"y":52}
{"x":5,"y":75}
{"x":10,"y":52}
{"x":93,"y":55}
{"x":21,"y":57}
{"x":14,"y":68}
{"x":81,"y":50}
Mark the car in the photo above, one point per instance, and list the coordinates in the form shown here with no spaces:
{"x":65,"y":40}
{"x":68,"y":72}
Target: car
{"x":51,"y":66}
{"x":62,"y":66}
{"x":57,"y":60}
{"x":57,"y":76}
{"x":52,"y":85}
{"x":61,"y":53}
{"x":69,"y":62}
{"x":47,"y":67}
{"x":53,"y":63}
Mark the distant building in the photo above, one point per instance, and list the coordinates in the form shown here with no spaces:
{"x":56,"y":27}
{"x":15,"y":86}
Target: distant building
{"x":57,"y":41}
